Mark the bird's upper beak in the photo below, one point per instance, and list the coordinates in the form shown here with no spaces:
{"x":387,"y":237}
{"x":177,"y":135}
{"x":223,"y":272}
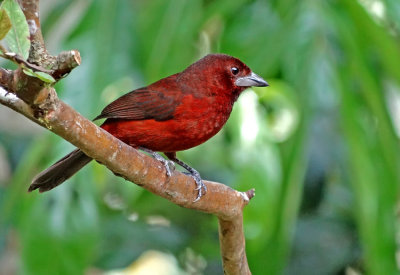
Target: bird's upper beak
{"x":251,"y":80}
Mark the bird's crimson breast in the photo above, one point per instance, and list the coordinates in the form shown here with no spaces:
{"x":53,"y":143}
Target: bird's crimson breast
{"x":195,"y":120}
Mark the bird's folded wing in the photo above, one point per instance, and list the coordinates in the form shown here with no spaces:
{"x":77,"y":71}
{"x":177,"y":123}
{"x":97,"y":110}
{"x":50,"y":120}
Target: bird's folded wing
{"x":143,"y":104}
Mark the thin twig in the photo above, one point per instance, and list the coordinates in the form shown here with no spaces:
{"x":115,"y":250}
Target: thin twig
{"x":16,"y":58}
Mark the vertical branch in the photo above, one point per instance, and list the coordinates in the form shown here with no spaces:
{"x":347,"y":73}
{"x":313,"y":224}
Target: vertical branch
{"x":62,"y":64}
{"x":38,"y":53}
{"x":31,"y":10}
{"x":232,"y":242}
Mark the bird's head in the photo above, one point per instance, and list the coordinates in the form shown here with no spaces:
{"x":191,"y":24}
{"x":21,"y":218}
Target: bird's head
{"x":222,"y":74}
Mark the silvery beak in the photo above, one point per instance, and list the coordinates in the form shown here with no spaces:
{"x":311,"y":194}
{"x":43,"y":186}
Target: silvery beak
{"x":251,"y":80}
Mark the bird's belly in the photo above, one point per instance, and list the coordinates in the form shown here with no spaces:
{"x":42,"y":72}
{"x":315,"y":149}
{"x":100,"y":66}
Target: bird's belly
{"x":173,"y":135}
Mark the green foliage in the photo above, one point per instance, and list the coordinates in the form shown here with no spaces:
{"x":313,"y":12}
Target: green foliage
{"x":5,"y":23}
{"x":41,"y":75}
{"x":319,"y":145}
{"x":18,"y":36}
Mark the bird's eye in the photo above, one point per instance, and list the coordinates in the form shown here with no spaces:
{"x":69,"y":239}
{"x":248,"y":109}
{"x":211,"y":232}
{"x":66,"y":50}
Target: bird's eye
{"x":234,"y":70}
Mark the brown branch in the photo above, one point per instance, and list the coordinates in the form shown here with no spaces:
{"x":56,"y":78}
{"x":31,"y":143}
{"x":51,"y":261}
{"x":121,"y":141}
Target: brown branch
{"x":226,"y":203}
{"x":39,"y":102}
{"x":30,"y":9}
{"x":129,"y":163}
{"x":65,"y":63}
{"x":60,"y":65}
{"x":38,"y":53}
{"x":12,"y":101}
{"x":6,"y":78}
{"x":231,"y":238}
{"x":16,"y":58}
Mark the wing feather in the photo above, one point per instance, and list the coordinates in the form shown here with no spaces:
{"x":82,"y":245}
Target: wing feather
{"x":142,"y":104}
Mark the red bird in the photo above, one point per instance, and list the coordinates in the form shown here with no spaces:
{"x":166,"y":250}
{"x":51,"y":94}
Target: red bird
{"x":173,"y":114}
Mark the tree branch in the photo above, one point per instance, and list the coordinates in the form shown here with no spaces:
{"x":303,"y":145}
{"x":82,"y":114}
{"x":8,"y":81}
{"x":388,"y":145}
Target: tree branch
{"x":62,"y":64}
{"x":129,"y":163}
{"x":226,"y":203}
{"x":38,"y":102}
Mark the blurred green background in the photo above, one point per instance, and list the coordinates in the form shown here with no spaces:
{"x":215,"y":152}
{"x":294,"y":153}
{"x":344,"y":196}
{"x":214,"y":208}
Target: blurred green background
{"x":320,"y":145}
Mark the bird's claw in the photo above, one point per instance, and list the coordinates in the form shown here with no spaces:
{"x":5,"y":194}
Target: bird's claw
{"x":200,"y":186}
{"x":168,"y":165}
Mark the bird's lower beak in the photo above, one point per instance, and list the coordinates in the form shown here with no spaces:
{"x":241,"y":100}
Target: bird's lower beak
{"x":251,"y":80}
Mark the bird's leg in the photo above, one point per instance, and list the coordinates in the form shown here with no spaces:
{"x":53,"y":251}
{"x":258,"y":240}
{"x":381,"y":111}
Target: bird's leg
{"x":200,"y":186}
{"x":167,"y":163}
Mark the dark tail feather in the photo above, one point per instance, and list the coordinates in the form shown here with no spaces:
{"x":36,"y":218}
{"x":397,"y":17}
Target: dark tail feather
{"x":60,"y":171}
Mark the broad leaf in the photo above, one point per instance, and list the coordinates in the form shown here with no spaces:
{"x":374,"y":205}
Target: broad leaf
{"x":18,"y":36}
{"x":41,"y":75}
{"x":5,"y":23}
{"x":45,"y":77}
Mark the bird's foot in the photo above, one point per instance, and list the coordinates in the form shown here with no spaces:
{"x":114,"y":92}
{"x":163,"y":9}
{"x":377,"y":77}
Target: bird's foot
{"x":169,"y":165}
{"x":200,"y":186}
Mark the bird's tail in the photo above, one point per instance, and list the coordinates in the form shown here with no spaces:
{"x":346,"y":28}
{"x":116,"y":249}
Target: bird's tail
{"x":60,"y":171}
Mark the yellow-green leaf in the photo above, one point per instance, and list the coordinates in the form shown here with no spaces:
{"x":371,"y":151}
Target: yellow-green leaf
{"x":29,"y":72}
{"x":5,"y":23}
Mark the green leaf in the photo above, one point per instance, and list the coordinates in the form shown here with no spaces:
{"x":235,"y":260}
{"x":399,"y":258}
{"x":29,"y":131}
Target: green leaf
{"x":5,"y":23}
{"x":29,"y":72}
{"x":45,"y":77}
{"x":18,"y":36}
{"x":41,"y":75}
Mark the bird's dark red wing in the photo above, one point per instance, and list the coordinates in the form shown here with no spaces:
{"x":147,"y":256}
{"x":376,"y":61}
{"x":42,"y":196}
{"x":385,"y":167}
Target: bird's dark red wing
{"x":142,"y":104}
